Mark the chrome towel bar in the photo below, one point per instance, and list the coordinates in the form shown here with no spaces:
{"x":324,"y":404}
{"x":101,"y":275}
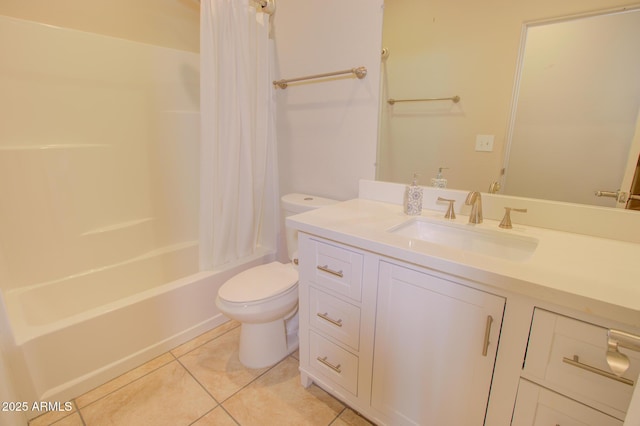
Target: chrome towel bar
{"x":359,"y":72}
{"x":575,"y":361}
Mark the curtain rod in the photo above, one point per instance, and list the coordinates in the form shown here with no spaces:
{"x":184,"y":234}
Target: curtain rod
{"x":262,"y":3}
{"x":268,"y":6}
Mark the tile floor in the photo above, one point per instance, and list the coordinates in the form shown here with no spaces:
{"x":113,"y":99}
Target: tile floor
{"x":202,"y":383}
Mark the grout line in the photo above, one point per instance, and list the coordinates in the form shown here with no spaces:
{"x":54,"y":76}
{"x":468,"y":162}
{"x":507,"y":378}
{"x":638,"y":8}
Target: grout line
{"x":79,"y":413}
{"x":219,"y":404}
{"x":233,"y":394}
{"x":126,"y":384}
{"x":203,"y":343}
{"x":178,"y":360}
{"x":256,"y":378}
{"x":230,"y":416}
{"x":230,"y":396}
{"x":199,"y":384}
{"x":210,"y":411}
{"x":247,"y":385}
{"x":77,"y":410}
{"x":338,"y":416}
{"x":202,"y":416}
{"x":149,"y":372}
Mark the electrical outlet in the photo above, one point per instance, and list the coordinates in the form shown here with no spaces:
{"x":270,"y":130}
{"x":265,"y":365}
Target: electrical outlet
{"x":484,"y":143}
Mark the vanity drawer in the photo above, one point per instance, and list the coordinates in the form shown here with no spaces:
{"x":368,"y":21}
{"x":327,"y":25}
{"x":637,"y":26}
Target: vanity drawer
{"x":332,"y":361}
{"x":334,"y":317}
{"x":537,"y":406}
{"x":338,"y":269}
{"x":569,"y":356}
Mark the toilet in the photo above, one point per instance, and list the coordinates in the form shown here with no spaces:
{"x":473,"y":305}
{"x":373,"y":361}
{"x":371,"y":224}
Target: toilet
{"x":264,"y":299}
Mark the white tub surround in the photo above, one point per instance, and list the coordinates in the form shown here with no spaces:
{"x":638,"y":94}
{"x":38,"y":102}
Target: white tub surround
{"x":441,"y":326}
{"x":96,"y":335}
{"x":99,"y":154}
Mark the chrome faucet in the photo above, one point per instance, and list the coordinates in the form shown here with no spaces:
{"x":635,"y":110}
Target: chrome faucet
{"x":475,"y":201}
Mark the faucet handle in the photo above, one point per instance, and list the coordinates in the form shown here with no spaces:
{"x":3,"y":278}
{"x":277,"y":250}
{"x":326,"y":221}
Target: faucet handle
{"x":450,"y":214}
{"x":506,"y":220}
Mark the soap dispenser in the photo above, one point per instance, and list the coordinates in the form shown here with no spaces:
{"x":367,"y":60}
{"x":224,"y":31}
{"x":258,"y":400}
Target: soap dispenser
{"x":413,"y":198}
{"x":439,"y":181}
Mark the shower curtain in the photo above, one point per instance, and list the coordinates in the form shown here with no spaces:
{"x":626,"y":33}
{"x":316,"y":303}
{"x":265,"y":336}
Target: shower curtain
{"x":239,"y":207}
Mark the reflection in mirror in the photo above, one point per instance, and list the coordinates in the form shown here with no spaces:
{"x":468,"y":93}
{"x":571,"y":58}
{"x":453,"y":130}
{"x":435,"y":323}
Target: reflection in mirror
{"x":435,"y":51}
{"x":576,"y":111}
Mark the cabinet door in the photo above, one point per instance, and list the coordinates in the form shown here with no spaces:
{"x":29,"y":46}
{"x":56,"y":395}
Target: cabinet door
{"x":570,"y":357}
{"x":435,"y":348}
{"x":537,"y":406}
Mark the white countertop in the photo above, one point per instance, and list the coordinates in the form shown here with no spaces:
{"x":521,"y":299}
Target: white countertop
{"x":595,"y":275}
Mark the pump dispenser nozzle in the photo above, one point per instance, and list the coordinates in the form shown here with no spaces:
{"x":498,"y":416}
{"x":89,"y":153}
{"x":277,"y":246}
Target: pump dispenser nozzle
{"x":439,"y":181}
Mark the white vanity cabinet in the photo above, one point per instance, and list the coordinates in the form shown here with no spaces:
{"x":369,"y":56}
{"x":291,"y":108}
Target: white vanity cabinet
{"x":435,"y":348}
{"x":566,"y":378}
{"x":539,"y":406}
{"x":337,"y":306}
{"x":411,"y":331}
{"x":400,"y":344}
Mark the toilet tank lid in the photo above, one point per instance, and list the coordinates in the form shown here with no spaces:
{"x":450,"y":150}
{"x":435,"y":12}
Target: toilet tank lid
{"x":258,"y":283}
{"x":299,"y":203}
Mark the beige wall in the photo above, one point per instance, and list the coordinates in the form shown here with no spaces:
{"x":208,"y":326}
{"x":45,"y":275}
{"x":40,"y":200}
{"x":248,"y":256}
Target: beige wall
{"x":468,"y":48}
{"x":327,"y":131}
{"x":168,"y":23}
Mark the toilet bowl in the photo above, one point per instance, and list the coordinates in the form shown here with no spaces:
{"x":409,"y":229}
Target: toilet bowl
{"x":264,"y":299}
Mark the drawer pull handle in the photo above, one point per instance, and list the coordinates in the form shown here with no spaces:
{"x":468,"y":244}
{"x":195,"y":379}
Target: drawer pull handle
{"x":487,"y":334}
{"x":576,"y":363}
{"x":326,"y":317}
{"x":335,"y":368}
{"x":326,"y":269}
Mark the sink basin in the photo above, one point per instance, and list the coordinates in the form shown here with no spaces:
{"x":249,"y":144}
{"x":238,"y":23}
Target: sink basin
{"x":499,"y":244}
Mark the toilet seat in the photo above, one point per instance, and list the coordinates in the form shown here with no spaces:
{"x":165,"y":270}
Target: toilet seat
{"x":259,"y":283}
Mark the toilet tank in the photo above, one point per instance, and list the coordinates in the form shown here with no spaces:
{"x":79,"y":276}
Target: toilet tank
{"x":299,"y":203}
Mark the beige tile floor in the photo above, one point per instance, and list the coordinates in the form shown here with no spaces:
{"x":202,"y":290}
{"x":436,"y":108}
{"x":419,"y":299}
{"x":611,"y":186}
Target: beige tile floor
{"x":202,"y":383}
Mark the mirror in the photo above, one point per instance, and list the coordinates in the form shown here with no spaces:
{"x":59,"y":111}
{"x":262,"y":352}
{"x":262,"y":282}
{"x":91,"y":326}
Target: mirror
{"x":435,"y":51}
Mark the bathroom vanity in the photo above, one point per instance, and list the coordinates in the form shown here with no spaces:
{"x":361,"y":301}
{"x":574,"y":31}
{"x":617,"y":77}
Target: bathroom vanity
{"x":423,"y":320}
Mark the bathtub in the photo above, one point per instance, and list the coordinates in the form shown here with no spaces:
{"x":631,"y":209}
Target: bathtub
{"x":73,"y":334}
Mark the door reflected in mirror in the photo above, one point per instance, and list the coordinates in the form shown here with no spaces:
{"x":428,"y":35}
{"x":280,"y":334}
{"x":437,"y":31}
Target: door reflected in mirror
{"x":574,"y":128}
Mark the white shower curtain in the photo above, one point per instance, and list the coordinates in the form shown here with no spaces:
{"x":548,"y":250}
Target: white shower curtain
{"x":238,"y":186}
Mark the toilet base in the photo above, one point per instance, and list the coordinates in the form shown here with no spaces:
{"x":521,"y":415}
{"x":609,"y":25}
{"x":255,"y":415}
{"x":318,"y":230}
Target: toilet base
{"x":263,"y":345}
